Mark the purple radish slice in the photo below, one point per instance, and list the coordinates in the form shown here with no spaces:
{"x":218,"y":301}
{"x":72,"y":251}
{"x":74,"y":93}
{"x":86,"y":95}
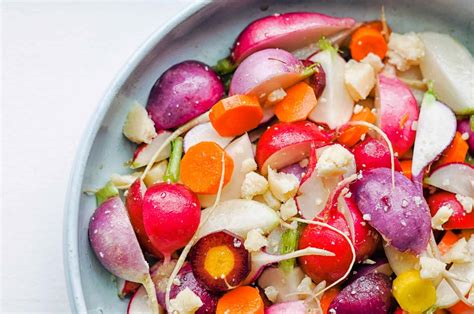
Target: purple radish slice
{"x":286,"y":283}
{"x":454,"y":177}
{"x":435,"y":131}
{"x":368,"y":294}
{"x":464,"y":127}
{"x":288,"y":31}
{"x":145,"y":152}
{"x":266,"y":71}
{"x":140,"y":304}
{"x":183,"y":92}
{"x":295,"y":307}
{"x":204,"y":133}
{"x":114,"y":242}
{"x":399,"y":213}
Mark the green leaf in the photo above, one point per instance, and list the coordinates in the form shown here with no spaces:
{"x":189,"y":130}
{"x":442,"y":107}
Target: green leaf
{"x":108,"y":191}
{"x":471,"y":122}
{"x":325,"y":45}
{"x":172,"y":171}
{"x":225,"y":66}
{"x":289,"y":243}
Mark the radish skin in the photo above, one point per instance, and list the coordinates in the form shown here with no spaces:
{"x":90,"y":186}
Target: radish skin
{"x":456,"y":178}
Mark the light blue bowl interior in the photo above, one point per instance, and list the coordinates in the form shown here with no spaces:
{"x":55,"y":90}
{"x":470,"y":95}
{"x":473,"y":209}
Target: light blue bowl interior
{"x":203,"y":32}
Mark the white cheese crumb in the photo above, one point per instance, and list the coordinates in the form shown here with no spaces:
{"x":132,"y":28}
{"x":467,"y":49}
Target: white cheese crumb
{"x":458,"y":253}
{"x":255,"y":240}
{"x":125,"y":180}
{"x":335,"y":161}
{"x":374,"y":61}
{"x":283,"y":185}
{"x":276,"y":96}
{"x":442,"y":216}
{"x":271,"y":200}
{"x":156,"y":173}
{"x":466,"y":202}
{"x":138,"y":127}
{"x":186,"y":302}
{"x":254,"y":184}
{"x":405,"y":50}
{"x":431,"y":268}
{"x":357,"y":109}
{"x":368,"y":261}
{"x":272,"y":293}
{"x":359,"y":78}
{"x":367,"y":217}
{"x":465,"y":136}
{"x":248,"y":165}
{"x":306,"y":286}
{"x":304,"y":163}
{"x":288,"y":209}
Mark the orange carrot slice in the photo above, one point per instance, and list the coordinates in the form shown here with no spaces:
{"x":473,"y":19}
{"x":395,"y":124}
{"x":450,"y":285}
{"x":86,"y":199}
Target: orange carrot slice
{"x":353,"y":134}
{"x":367,"y":39}
{"x":242,"y":300}
{"x":236,"y":115}
{"x":327,"y":298}
{"x":461,"y":308}
{"x":297,"y":104}
{"x":406,"y":168}
{"x":447,"y":241}
{"x":201,"y":167}
{"x":456,"y":152}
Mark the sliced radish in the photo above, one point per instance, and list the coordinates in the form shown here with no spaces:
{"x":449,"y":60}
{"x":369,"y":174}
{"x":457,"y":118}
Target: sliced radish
{"x":445,"y":296}
{"x":288,"y":31}
{"x":400,"y":261}
{"x":145,"y":152}
{"x":139,"y":303}
{"x":294,"y":307}
{"x":286,"y":283}
{"x":335,"y":105}
{"x":204,"y":133}
{"x":242,"y":154}
{"x":435,"y":131}
{"x":454,"y":177}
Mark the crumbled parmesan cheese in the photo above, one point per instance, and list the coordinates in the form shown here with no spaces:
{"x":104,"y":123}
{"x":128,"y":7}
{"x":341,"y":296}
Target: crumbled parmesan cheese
{"x":374,"y":61}
{"x":431,"y":268}
{"x":466,"y":202}
{"x":359,"y":78}
{"x":283,"y":185}
{"x":442,"y":216}
{"x":186,"y":302}
{"x":304,"y":163}
{"x":335,"y":161}
{"x":255,"y":240}
{"x":248,"y":165}
{"x":288,"y":209}
{"x":272,"y":293}
{"x":124,"y":181}
{"x":271,"y":200}
{"x":465,"y":136}
{"x":254,"y":184}
{"x":138,"y":127}
{"x":276,"y":96}
{"x":405,"y":50}
{"x":357,"y":109}
{"x":459,"y":252}
{"x":366,"y":217}
{"x":306,"y":286}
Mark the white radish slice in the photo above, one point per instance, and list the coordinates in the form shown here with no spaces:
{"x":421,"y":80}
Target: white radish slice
{"x":204,"y":133}
{"x":241,"y":152}
{"x":286,"y":283}
{"x":450,"y":66}
{"x":435,"y":131}
{"x":335,"y":105}
{"x":445,"y":295}
{"x":145,"y":152}
{"x":400,"y":262}
{"x":454,"y":177}
{"x":139,"y":303}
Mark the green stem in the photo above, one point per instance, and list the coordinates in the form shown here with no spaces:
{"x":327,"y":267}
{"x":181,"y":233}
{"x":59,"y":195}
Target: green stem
{"x":108,"y":191}
{"x":225,"y":66}
{"x":172,"y":171}
{"x":289,"y":243}
{"x":471,"y":122}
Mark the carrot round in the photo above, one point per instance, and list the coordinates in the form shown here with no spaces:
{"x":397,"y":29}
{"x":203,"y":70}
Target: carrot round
{"x":406,"y":168}
{"x":236,"y":115}
{"x":297,"y":104}
{"x":327,"y":298}
{"x":350,"y":136}
{"x":201,"y":167}
{"x":461,"y":308}
{"x":367,"y":39}
{"x":456,"y":152}
{"x":447,"y":241}
{"x":242,"y":300}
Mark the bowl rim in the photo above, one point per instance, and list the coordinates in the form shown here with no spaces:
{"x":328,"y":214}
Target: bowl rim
{"x":72,"y":274}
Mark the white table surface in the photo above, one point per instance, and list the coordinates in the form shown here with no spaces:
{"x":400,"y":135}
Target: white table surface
{"x":57,"y":61}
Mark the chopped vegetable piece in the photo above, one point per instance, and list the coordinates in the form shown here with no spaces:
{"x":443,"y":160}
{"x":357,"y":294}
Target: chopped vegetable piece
{"x":459,"y":218}
{"x":172,"y":171}
{"x":366,"y":40}
{"x":327,"y":298}
{"x":108,"y":191}
{"x":447,"y":242}
{"x":297,"y":104}
{"x":406,"y":168}
{"x":413,"y":293}
{"x":353,"y":134}
{"x":138,"y":127}
{"x":225,"y":66}
{"x":289,"y":243}
{"x":456,"y":152}
{"x":241,"y":300}
{"x":235,"y":115}
{"x":461,"y":308}
{"x":201,"y":167}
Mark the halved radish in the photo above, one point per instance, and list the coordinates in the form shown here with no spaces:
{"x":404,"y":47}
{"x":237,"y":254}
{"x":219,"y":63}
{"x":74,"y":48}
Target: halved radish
{"x":288,"y":31}
{"x":266,"y":71}
{"x":454,"y":177}
{"x":397,"y":110}
{"x":144,"y":152}
{"x":283,"y":144}
{"x":140,"y":304}
{"x":204,"y":133}
{"x":435,"y":131}
{"x":335,"y":105}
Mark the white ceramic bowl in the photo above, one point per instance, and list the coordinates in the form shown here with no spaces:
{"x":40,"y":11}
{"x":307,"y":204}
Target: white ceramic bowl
{"x":204,"y":31}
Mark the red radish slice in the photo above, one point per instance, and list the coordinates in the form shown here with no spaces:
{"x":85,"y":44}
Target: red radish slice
{"x":144,"y":152}
{"x":139,"y":303}
{"x":397,"y":110}
{"x":335,"y":105}
{"x":204,"y":133}
{"x":288,"y":31}
{"x":283,"y":144}
{"x":454,"y":177}
{"x":266,"y":71}
{"x":435,"y":131}
{"x":459,"y":219}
